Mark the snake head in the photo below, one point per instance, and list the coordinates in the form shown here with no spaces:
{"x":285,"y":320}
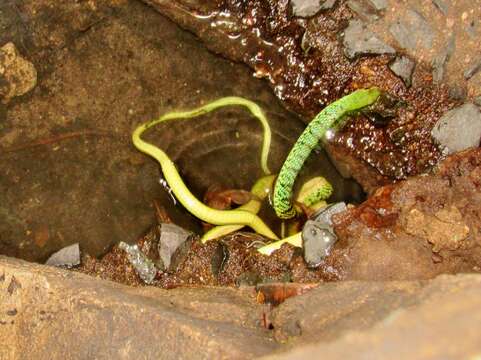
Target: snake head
{"x":384,"y":109}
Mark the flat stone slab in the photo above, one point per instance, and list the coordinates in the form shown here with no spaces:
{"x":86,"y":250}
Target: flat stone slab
{"x":50,"y":313}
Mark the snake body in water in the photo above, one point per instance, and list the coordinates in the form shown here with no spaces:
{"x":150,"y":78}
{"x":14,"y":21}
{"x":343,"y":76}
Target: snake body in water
{"x":331,"y":117}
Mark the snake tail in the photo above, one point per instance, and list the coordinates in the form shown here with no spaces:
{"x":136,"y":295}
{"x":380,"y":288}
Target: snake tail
{"x":332,"y":116}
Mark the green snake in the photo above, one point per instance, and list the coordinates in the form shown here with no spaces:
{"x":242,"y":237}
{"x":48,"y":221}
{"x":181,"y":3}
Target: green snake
{"x":232,"y":220}
{"x":333,"y":116}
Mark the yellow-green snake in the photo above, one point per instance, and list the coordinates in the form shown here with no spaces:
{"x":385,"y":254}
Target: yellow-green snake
{"x":232,"y":220}
{"x":180,"y":190}
{"x":260,"y":191}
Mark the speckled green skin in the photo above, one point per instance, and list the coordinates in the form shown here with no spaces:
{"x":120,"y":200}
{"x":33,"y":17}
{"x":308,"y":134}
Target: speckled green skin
{"x":332,"y":117}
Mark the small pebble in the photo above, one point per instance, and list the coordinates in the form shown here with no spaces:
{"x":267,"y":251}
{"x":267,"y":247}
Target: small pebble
{"x":360,"y":41}
{"x":317,"y":242}
{"x":458,"y":129}
{"x":68,"y":256}
{"x":403,"y":67}
{"x":171,"y":242}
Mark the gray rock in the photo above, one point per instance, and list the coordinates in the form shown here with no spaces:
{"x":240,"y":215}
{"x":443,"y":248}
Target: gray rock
{"x":439,"y":62}
{"x":171,"y":241}
{"x":363,"y":9}
{"x":318,"y":234}
{"x":459,"y":128}
{"x":403,"y":67}
{"x":412,"y":31}
{"x":379,"y":4}
{"x":68,"y":256}
{"x":360,"y":41}
{"x":305,"y":8}
{"x":308,"y":8}
{"x":324,"y":215}
{"x":317,"y":239}
{"x":473,"y":69}
{"x":442,"y":5}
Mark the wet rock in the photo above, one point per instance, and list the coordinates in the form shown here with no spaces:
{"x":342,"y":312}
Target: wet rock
{"x":142,"y":264}
{"x":440,"y":61}
{"x":324,"y":215}
{"x":308,"y":8}
{"x":317,"y":240}
{"x":473,"y":69}
{"x":412,"y":31}
{"x":17,"y":75}
{"x":442,"y":5}
{"x":363,"y":9}
{"x":68,"y":256}
{"x":318,"y":234}
{"x":459,"y":128}
{"x":358,"y":40}
{"x":403,"y":67}
{"x":172,"y":245}
{"x":445,"y":230}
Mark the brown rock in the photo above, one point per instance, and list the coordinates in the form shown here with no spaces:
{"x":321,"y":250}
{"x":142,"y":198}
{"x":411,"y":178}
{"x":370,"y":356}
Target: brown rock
{"x":445,"y":230}
{"x":435,"y":320}
{"x":51,"y":314}
{"x":17,"y":75}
